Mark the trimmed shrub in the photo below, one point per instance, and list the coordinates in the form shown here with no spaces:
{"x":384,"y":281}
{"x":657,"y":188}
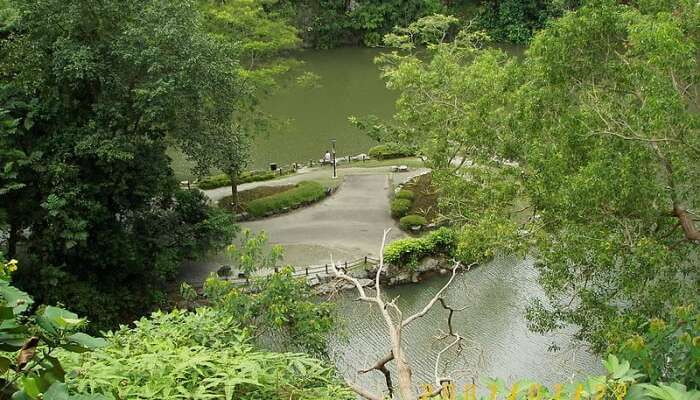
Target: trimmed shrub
{"x":386,"y":151}
{"x":400,"y":207}
{"x":411,"y":221}
{"x":221,"y":180}
{"x":405,"y":194}
{"x":213,"y":182}
{"x":305,"y":192}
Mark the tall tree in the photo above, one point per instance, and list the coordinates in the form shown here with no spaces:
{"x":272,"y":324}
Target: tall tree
{"x":95,"y":91}
{"x":259,"y":42}
{"x":600,"y":124}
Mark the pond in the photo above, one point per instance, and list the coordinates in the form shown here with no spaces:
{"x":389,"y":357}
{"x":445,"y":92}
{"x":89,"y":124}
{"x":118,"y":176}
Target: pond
{"x":349,"y":84}
{"x":495,"y":296}
{"x":308,"y":118}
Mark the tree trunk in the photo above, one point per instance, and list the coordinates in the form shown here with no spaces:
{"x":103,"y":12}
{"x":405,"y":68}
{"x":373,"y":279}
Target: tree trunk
{"x":234,"y":191}
{"x":12,"y":241}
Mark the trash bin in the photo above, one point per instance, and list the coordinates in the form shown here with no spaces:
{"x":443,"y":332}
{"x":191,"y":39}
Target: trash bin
{"x":273,"y":166}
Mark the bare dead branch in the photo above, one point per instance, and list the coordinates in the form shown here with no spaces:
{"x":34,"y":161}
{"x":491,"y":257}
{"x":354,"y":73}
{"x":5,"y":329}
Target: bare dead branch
{"x":362,"y":391}
{"x":381,"y":367}
{"x":435,"y":298}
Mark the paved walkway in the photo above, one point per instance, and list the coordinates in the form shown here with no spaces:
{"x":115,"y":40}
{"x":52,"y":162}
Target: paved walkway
{"x":347,"y":225}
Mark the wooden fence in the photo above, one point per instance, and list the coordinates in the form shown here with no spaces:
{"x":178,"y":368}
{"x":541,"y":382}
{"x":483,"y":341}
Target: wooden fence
{"x":309,"y":272}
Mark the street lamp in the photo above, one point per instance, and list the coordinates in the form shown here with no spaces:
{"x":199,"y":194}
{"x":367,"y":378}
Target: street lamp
{"x":333,"y":157}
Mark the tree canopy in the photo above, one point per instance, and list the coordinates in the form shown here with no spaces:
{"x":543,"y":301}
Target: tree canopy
{"x":585,"y":151}
{"x":95,"y":92}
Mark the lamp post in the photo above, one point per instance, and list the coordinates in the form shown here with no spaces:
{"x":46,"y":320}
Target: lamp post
{"x":333,"y":157}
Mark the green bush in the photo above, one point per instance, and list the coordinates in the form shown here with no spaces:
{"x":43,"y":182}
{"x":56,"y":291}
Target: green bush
{"x":213,"y":182}
{"x":221,"y":180}
{"x":408,"y":252}
{"x":411,"y":221}
{"x":665,"y":350}
{"x":386,"y":151}
{"x":405,"y":194}
{"x":443,"y":240}
{"x":304,"y":193}
{"x":204,"y":354}
{"x":400,"y":207}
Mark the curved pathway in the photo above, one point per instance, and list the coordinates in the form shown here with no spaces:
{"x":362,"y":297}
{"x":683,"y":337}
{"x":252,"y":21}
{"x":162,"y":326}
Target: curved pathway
{"x":347,"y":225}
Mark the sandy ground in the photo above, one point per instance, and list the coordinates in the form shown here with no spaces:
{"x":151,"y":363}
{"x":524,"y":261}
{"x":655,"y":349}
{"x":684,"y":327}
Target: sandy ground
{"x":348,"y":225}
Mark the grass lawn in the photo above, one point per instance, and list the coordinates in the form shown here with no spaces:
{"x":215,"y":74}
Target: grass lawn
{"x":265,"y":201}
{"x":246,"y":196}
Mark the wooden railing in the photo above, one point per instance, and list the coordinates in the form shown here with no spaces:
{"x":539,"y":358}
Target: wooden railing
{"x":310,"y":271}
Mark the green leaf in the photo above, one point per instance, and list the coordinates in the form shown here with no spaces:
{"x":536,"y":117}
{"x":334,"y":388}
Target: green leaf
{"x":5,"y":364}
{"x":57,"y":391}
{"x":15,"y":298}
{"x":61,"y":319}
{"x":86,"y":341}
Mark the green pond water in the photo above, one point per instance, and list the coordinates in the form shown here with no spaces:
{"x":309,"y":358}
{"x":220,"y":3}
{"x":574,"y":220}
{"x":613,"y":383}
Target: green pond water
{"x":349,"y":85}
{"x":500,"y":345}
{"x":308,"y":118}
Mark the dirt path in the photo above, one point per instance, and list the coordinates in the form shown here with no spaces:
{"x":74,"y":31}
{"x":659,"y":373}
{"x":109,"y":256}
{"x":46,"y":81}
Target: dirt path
{"x":347,"y":225}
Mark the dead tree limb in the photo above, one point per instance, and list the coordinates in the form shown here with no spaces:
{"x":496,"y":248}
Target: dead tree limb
{"x":395,"y":324}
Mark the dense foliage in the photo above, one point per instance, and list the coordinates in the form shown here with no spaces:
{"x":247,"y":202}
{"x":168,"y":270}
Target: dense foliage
{"x":586,"y":151}
{"x":35,"y":336}
{"x":205,"y":354}
{"x":515,"y":21}
{"x":328,"y":23}
{"x":94,"y":92}
{"x":407,"y":253}
{"x":386,"y":151}
{"x":666,"y":351}
{"x":258,"y":41}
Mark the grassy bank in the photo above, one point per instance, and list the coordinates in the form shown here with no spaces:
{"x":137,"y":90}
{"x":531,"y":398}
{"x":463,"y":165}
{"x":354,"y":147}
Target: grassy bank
{"x":270,"y":200}
{"x":304,"y":193}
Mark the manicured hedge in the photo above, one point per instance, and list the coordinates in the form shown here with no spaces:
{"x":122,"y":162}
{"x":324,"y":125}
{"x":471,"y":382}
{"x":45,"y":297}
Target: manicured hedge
{"x":305,"y":192}
{"x":386,"y":151}
{"x":405,"y":194}
{"x":400,"y":207}
{"x":411,"y":221}
{"x":221,"y":180}
{"x":407,"y":253}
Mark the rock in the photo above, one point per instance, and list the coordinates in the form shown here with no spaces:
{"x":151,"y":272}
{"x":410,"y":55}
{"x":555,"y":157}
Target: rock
{"x":360,"y":157}
{"x":431,"y":225}
{"x":242,"y":216}
{"x":314,"y":281}
{"x":415,"y":277}
{"x":428,"y":264}
{"x":416,"y":228}
{"x":394,"y":168}
{"x":403,"y":168}
{"x":285,"y":209}
{"x":225,"y":270}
